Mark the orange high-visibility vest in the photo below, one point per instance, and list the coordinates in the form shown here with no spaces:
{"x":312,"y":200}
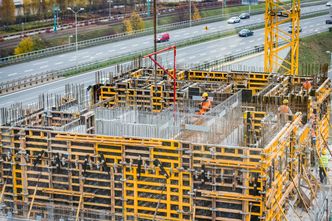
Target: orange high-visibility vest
{"x":307,"y":85}
{"x":205,"y":106}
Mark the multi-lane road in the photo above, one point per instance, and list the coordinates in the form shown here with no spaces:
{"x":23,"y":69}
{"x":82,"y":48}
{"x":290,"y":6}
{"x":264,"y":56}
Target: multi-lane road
{"x":193,"y":54}
{"x":126,"y":46}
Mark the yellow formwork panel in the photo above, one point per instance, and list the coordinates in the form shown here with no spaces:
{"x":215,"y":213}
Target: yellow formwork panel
{"x":192,"y":182}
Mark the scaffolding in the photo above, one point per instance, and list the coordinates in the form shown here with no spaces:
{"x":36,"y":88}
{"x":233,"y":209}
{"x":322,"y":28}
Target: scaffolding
{"x":132,"y":162}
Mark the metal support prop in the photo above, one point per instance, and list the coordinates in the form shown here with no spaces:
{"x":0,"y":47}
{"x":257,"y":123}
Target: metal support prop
{"x":79,"y":207}
{"x":33,"y":199}
{"x":298,"y":192}
{"x":3,"y":191}
{"x":282,"y":211}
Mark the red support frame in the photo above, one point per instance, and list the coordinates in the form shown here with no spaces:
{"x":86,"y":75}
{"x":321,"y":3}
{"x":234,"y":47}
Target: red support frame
{"x":173,"y":47}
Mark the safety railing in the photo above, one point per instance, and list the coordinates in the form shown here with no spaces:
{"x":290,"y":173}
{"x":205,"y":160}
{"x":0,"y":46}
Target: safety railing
{"x":120,"y":36}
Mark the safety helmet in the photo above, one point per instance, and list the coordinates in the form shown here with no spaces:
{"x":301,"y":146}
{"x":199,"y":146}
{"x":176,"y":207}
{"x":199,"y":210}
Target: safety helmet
{"x":324,"y":151}
{"x":285,"y":101}
{"x":205,"y":94}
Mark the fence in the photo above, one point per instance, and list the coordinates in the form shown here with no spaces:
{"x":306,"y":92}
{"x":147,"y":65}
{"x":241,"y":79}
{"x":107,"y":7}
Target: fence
{"x":26,"y":82}
{"x":121,"y":36}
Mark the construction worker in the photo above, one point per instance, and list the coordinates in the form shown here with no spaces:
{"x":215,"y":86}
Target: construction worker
{"x":307,"y":85}
{"x":284,"y":111}
{"x":205,"y":105}
{"x":323,"y":163}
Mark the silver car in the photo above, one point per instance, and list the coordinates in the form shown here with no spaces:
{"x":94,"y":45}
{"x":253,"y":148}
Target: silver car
{"x":233,"y":20}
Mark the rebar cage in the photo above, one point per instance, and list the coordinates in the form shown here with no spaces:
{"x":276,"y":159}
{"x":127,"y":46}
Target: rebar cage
{"x":237,"y":162}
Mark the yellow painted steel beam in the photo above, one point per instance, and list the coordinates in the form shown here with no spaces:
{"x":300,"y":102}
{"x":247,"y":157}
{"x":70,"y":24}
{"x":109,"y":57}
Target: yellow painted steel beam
{"x":276,"y":14}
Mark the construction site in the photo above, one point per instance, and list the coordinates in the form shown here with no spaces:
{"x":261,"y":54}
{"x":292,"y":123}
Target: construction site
{"x":138,"y":145}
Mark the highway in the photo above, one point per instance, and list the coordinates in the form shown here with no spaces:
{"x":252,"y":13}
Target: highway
{"x":194,"y":54}
{"x":122,"y":47}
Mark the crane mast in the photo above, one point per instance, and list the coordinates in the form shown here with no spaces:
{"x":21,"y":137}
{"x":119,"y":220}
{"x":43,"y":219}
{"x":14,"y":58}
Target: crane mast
{"x":279,"y":38}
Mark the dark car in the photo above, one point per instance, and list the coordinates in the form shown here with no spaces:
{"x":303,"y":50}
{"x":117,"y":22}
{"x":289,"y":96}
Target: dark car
{"x":290,"y":29}
{"x":328,"y":21}
{"x":246,"y":33}
{"x":244,"y":15}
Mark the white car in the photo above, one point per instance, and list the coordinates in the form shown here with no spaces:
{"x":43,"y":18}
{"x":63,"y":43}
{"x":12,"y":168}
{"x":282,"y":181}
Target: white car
{"x":233,"y":20}
{"x":329,"y":4}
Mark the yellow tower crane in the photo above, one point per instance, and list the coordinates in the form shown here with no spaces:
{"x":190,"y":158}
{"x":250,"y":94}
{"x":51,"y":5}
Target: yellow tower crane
{"x":281,"y":35}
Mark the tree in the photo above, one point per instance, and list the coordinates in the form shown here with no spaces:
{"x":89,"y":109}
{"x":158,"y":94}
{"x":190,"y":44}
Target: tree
{"x":127,"y":26}
{"x":196,"y":15}
{"x":183,"y":12}
{"x":34,"y":6}
{"x":136,"y":21}
{"x":27,"y":7}
{"x":25,"y":45}
{"x":7,"y":12}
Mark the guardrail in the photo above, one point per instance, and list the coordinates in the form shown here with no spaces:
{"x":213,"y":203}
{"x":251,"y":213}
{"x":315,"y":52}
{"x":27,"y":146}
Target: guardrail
{"x":19,"y":84}
{"x":217,"y":64}
{"x":121,"y":36}
{"x":27,"y":82}
{"x":115,"y":18}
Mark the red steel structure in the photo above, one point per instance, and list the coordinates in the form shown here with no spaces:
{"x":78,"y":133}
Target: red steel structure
{"x":173,"y":47}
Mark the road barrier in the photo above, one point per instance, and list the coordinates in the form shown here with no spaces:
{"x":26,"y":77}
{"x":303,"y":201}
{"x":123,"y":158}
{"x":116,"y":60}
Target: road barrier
{"x":26,"y":82}
{"x":30,"y":81}
{"x":121,"y":36}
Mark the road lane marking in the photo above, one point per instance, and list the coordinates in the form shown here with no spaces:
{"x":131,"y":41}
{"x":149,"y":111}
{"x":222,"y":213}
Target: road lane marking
{"x":59,"y":63}
{"x":12,"y":74}
{"x":44,"y":66}
{"x":28,"y":70}
{"x":99,"y":53}
{"x":39,"y":63}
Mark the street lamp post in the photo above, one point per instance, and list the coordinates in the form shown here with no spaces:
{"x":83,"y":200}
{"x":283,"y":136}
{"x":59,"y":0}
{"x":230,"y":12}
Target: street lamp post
{"x":69,"y":37}
{"x":190,"y":13}
{"x":109,"y":9}
{"x":75,"y":12}
{"x":249,"y":6}
{"x":330,"y":52}
{"x":149,"y":10}
{"x":22,"y":29}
